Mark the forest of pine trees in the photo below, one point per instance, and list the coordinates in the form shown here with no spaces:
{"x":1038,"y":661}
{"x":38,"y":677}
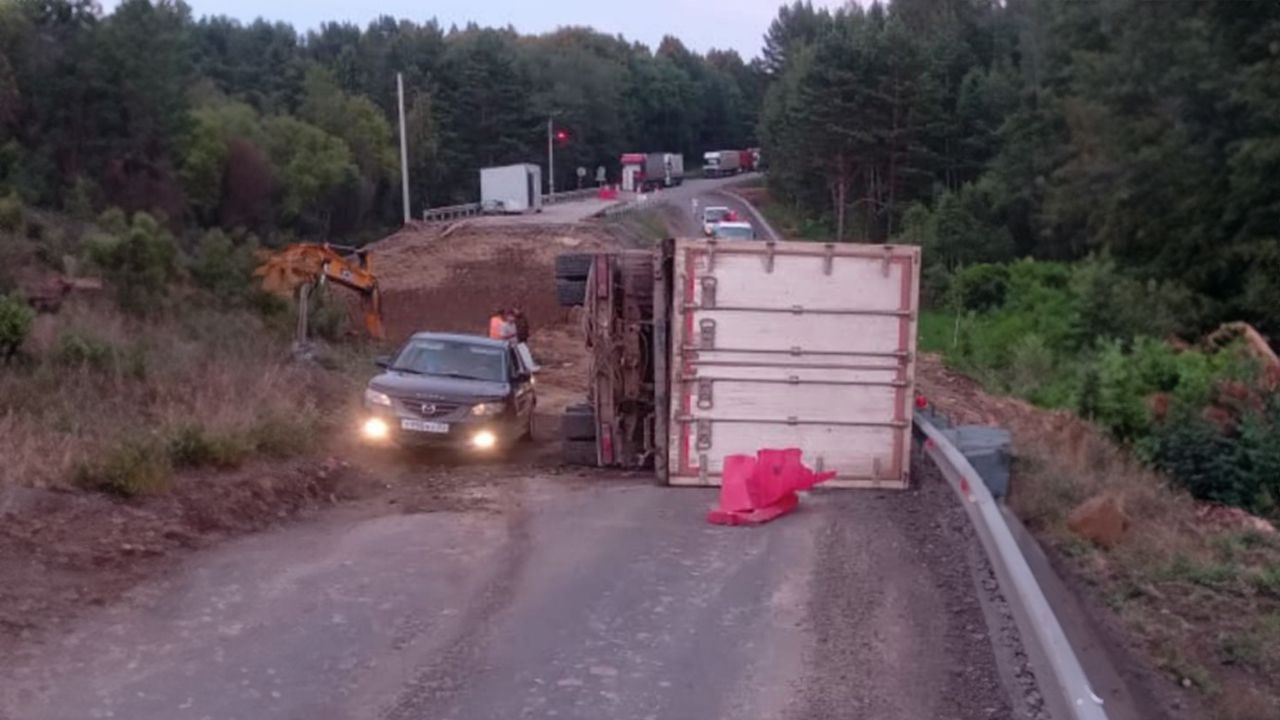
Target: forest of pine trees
{"x":259,"y":125}
{"x":986,"y":130}
{"x":1148,"y":133}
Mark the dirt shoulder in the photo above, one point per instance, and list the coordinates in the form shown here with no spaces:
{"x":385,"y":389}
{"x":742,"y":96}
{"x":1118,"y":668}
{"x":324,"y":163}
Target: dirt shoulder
{"x":1188,"y":597}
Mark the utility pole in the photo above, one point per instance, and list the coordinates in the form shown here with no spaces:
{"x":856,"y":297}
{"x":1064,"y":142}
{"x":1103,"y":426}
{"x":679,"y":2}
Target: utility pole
{"x":404,"y":150}
{"x":551,"y":159}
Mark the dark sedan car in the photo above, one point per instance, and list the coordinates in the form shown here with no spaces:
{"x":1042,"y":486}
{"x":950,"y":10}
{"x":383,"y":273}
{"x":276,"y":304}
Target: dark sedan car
{"x":442,"y":388}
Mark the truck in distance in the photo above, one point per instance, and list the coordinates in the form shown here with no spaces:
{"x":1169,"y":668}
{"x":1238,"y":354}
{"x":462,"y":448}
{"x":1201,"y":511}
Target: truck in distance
{"x":642,"y":172}
{"x":721,"y":163}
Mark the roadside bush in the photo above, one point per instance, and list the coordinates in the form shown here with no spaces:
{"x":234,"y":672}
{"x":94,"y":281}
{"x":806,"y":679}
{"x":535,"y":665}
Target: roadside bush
{"x":1199,"y":457}
{"x":935,"y":285}
{"x":140,"y":261}
{"x":328,"y":318}
{"x":79,"y":199}
{"x":12,"y":213}
{"x":55,"y":248}
{"x":15,"y":324}
{"x":282,"y":436}
{"x":75,"y":349}
{"x":1112,"y":305}
{"x":223,"y":267}
{"x":78,"y":350}
{"x":192,"y":446}
{"x":1236,"y":463}
{"x":980,"y":288}
{"x":1124,"y":384}
{"x":131,"y":468}
{"x":1031,"y":365}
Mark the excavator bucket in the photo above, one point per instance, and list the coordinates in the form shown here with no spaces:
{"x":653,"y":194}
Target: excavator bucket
{"x":284,"y":271}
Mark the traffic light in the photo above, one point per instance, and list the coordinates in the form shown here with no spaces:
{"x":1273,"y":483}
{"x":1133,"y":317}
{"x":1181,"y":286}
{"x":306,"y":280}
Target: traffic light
{"x":562,"y":137}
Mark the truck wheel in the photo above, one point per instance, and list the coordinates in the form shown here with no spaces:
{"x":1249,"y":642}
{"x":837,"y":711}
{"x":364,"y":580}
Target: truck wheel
{"x":578,"y":452}
{"x":571,"y":292}
{"x":578,"y":423}
{"x":573,"y":266}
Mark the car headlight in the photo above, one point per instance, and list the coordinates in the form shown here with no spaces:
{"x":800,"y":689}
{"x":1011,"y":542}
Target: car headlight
{"x":375,"y":429}
{"x":486,"y":409}
{"x":373,"y":397}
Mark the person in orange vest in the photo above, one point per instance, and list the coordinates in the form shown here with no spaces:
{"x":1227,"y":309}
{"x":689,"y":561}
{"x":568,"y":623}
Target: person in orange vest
{"x":500,"y":327}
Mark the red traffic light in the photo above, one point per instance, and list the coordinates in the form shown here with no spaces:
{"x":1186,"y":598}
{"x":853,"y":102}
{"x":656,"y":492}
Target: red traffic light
{"x":562,"y":136}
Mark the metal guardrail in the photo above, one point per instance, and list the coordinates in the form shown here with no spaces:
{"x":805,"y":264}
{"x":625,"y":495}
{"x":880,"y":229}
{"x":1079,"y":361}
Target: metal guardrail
{"x":454,"y":212}
{"x":1062,"y":680}
{"x":570,"y":196}
{"x":450,"y":212}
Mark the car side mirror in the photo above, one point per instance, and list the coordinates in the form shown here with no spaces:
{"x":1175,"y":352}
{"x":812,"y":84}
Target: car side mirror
{"x":382,"y":361}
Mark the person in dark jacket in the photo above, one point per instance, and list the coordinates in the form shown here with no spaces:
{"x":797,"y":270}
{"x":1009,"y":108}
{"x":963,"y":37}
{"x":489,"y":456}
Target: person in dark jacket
{"x":522,"y":327}
{"x":521,"y":324}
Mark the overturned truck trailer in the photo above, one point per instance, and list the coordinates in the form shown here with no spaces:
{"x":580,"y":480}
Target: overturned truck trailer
{"x":704,"y":349}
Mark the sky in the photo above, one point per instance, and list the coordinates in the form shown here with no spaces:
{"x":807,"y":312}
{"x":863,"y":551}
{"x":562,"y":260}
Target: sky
{"x":700,"y":24}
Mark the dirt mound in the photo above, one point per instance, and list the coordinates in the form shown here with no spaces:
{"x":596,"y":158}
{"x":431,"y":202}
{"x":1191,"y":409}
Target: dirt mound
{"x":451,"y":278}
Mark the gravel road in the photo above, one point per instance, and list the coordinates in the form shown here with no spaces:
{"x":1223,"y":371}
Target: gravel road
{"x":567,"y":597}
{"x":521,"y":591}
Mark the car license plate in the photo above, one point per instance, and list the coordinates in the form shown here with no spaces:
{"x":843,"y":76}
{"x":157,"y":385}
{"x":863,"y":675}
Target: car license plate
{"x":424,"y":426}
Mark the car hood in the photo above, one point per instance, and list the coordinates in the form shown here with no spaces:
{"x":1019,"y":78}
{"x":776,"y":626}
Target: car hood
{"x":436,"y":387}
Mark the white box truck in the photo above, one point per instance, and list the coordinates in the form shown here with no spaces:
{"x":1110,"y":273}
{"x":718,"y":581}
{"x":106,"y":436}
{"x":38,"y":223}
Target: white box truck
{"x":720,"y":163}
{"x":511,"y":188}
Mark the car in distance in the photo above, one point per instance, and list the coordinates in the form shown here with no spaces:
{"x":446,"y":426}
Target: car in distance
{"x":734,"y":231}
{"x":713,"y":216}
{"x":449,"y":389}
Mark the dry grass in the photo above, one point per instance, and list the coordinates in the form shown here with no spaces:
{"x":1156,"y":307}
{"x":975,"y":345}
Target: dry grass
{"x":1196,"y":593}
{"x":102,"y":386}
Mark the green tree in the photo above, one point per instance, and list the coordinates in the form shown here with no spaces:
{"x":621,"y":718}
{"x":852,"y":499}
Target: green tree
{"x":139,"y":257}
{"x":312,"y":168}
{"x":362,"y":127}
{"x":204,"y":159}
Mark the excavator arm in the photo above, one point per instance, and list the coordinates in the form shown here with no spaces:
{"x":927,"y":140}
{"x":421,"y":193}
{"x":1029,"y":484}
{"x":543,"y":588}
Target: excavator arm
{"x":295,"y":269}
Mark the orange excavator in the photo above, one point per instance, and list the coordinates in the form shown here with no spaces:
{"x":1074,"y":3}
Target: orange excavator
{"x":295,"y":270}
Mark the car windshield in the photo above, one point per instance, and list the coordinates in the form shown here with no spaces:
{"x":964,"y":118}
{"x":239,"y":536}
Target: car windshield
{"x":736,"y":232}
{"x":715,"y":214}
{"x":453,"y":359}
